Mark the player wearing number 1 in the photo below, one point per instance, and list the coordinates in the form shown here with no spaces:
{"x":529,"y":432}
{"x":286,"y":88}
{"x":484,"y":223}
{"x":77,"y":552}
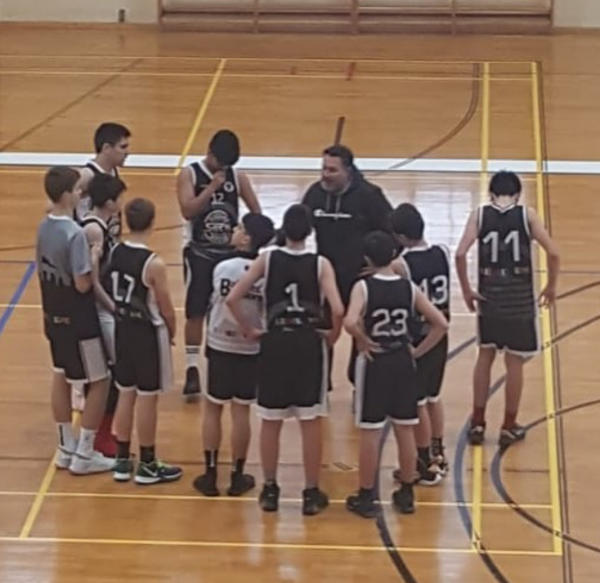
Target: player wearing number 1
{"x":293,"y":363}
{"x":506,"y":305}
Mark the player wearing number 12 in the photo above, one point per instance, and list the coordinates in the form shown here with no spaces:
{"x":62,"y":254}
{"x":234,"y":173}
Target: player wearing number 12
{"x":507,"y":311}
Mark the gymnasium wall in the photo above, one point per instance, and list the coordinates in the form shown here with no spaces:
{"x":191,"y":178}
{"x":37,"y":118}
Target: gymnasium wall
{"x":567,"y":13}
{"x":577,"y":13}
{"x":140,"y":11}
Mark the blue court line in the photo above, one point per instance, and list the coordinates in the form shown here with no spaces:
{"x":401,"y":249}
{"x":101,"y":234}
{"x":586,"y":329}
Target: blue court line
{"x":17,"y":295}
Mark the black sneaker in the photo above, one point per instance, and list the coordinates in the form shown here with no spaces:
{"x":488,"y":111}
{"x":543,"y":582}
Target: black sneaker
{"x":403,"y":499}
{"x":364,"y":506}
{"x":207,"y":484}
{"x":428,"y":476}
{"x":240,"y":484}
{"x":313,"y":501}
{"x":476,"y":434}
{"x":155,"y":472}
{"x":269,"y":497}
{"x":191,"y":388}
{"x":123,"y":469}
{"x":512,"y":435}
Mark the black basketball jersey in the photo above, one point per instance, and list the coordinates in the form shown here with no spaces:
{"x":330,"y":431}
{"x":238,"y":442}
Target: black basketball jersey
{"x":505,"y":263}
{"x":429,"y":269}
{"x":115,"y":222}
{"x":389,"y":310}
{"x":213,"y":227}
{"x":292,"y":290}
{"x":129,"y":289}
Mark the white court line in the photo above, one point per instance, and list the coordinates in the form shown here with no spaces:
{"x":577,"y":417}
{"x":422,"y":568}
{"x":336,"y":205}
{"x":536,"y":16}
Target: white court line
{"x":312,"y":163}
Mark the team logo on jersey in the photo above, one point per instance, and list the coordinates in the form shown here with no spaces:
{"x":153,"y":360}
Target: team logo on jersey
{"x":218,"y":227}
{"x":228,"y":187}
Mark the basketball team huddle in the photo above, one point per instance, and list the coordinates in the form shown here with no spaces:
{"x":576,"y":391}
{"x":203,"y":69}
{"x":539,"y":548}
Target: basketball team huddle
{"x":269,"y":312}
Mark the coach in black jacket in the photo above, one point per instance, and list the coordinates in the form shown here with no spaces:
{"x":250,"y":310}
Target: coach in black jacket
{"x":345,"y":208}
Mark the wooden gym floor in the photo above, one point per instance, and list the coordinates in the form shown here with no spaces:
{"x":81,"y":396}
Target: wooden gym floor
{"x":528,"y":517}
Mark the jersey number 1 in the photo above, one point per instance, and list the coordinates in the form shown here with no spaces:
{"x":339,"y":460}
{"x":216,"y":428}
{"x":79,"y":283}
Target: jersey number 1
{"x":292,"y":291}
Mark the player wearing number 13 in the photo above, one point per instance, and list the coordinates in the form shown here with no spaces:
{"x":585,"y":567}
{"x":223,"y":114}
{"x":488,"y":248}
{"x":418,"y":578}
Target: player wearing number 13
{"x":507,"y":311}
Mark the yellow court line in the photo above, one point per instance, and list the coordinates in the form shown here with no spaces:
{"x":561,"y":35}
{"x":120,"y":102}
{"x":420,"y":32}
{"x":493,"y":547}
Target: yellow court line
{"x":201,"y":113}
{"x":548,"y":353}
{"x":477,"y":477}
{"x":338,"y":77}
{"x":197,"y":498}
{"x":277,"y":546}
{"x":259,"y":59}
{"x":39,"y":499}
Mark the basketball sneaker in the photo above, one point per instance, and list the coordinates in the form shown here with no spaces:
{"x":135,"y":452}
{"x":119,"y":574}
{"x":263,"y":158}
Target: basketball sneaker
{"x":191,"y":388}
{"x":155,"y":472}
{"x":313,"y":501}
{"x":363,"y":504}
{"x":93,"y":464}
{"x":123,"y":469}
{"x":269,"y":497}
{"x":512,"y":435}
{"x":240,"y":484}
{"x":403,"y":499}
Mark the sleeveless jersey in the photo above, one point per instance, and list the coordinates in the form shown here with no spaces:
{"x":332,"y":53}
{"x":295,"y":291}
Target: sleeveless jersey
{"x":505,"y":263}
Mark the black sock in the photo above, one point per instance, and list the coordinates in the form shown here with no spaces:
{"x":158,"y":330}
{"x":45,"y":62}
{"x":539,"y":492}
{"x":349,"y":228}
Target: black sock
{"x":123,"y":449}
{"x":424,"y":456}
{"x":147,"y":454}
{"x":366,"y":493}
{"x":238,"y":466}
{"x":436,"y":445}
{"x":271,"y":482}
{"x":211,"y":457}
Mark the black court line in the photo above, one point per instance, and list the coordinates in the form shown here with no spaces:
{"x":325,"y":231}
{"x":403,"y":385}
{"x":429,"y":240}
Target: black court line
{"x":69,"y":105}
{"x":496,"y":475}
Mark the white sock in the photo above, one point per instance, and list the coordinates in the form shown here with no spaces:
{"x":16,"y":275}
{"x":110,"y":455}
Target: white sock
{"x":85,"y":447}
{"x":66,"y":439}
{"x":191,"y":356}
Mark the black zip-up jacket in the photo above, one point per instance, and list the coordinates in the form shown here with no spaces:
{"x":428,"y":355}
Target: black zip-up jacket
{"x":341,"y":223}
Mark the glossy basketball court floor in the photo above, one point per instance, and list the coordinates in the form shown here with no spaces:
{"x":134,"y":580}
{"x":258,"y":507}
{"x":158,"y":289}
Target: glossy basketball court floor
{"x":429,"y":119}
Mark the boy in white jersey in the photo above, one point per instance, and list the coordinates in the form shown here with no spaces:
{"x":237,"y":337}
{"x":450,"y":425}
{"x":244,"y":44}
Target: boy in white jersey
{"x":233,"y":358}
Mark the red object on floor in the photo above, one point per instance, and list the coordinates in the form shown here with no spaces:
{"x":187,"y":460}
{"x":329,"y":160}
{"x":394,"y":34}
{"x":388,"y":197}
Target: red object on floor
{"x":105,"y":441}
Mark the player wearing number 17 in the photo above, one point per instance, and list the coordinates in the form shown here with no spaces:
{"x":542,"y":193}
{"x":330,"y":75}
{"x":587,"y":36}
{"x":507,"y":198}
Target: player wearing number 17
{"x":507,"y":310}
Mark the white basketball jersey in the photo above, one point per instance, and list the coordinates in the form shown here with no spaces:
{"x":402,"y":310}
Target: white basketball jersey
{"x":224,"y":333}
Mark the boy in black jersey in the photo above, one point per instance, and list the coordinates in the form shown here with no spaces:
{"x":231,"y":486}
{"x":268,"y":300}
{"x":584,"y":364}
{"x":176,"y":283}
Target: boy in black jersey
{"x":381,"y":307}
{"x":65,"y":264}
{"x":105,"y":194}
{"x":505,"y":300}
{"x":428,"y":267}
{"x":208,"y":192}
{"x":293,"y":363}
{"x":145,"y":328}
{"x":111,"y":143}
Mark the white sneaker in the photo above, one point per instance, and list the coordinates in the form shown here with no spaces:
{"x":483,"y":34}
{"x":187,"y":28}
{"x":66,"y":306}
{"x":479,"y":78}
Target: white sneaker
{"x":94,"y":464}
{"x":63,"y":459}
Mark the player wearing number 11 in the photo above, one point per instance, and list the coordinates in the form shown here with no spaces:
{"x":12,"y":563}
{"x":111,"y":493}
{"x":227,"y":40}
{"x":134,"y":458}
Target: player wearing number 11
{"x":507,"y":311}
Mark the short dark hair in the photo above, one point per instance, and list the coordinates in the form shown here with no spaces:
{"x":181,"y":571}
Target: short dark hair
{"x":109,"y":133}
{"x":380,"y":248}
{"x":259,"y":228}
{"x":297,"y":222}
{"x":505,"y":183}
{"x":408,"y":221}
{"x":225,"y":147}
{"x":342,"y":152}
{"x":58,"y":180}
{"x":139,"y":214}
{"x":104,"y":187}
